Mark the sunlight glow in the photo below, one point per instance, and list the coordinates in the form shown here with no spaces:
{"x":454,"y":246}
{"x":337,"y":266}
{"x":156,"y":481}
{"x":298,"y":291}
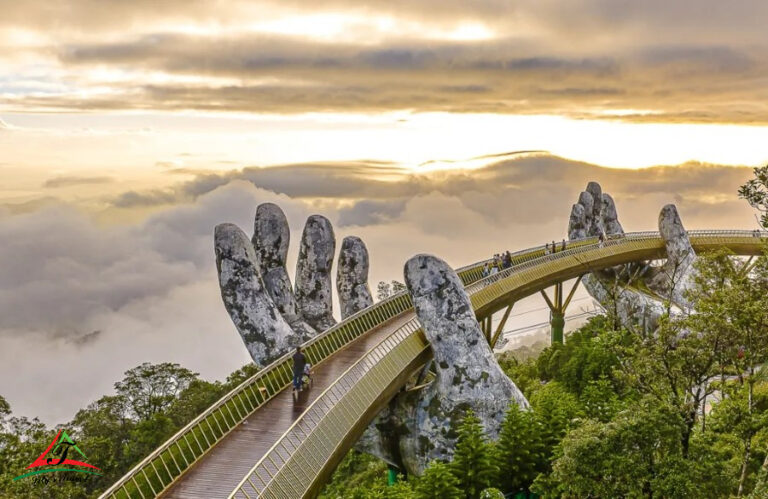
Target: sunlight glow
{"x":423,"y":142}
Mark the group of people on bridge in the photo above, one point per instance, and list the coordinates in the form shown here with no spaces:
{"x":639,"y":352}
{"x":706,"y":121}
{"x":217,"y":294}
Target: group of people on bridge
{"x":501,"y":261}
{"x":549,"y":249}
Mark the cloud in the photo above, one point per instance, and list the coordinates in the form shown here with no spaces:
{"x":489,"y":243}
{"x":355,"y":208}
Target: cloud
{"x":74,"y":181}
{"x":691,"y":61}
{"x":676,"y":83}
{"x":373,"y":192}
{"x":133,"y":199}
{"x":83,"y":301}
{"x":370,"y":212}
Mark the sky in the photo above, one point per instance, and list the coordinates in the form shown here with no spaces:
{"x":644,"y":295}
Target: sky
{"x":128,"y":130}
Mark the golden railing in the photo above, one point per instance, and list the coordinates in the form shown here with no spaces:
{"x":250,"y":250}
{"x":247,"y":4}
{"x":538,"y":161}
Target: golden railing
{"x":158,"y":471}
{"x":301,"y":461}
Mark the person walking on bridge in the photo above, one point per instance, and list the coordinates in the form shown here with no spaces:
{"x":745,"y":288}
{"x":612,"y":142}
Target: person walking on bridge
{"x":299,"y":361}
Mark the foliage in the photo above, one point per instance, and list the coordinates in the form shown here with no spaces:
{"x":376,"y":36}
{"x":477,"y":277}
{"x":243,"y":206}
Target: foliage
{"x":151,"y":388}
{"x":755,"y":191}
{"x":636,"y":454}
{"x":438,"y":482}
{"x":586,"y":356}
{"x":599,"y":400}
{"x":387,"y":289}
{"x":491,"y":493}
{"x":473,"y":458}
{"x":357,"y":476}
{"x":520,"y":450}
{"x":614,"y":413}
{"x":618,"y":458}
{"x":556,"y":410}
{"x":523,"y":372}
{"x":152,"y":403}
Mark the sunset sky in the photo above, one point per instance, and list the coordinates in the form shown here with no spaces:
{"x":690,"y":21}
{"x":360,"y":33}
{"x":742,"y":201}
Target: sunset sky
{"x":456,"y":127}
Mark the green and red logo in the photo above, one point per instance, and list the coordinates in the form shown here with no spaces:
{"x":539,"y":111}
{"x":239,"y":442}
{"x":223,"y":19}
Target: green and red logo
{"x":55,"y":458}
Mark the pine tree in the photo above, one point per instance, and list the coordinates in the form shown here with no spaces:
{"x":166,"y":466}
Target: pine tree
{"x":437,"y":482}
{"x":473,"y":459}
{"x":491,"y":493}
{"x":519,"y":450}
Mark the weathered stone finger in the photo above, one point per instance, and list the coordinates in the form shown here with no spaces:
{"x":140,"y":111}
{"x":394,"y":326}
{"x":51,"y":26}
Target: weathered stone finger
{"x":586,"y":219}
{"x":271,"y":237}
{"x":675,"y":276}
{"x":610,"y":217}
{"x":352,"y":277}
{"x":468,"y":375}
{"x":264,"y":331}
{"x":577,"y":223}
{"x":596,"y":220}
{"x":314,"y":296}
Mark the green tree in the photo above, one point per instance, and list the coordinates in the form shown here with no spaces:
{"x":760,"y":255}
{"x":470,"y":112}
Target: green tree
{"x":599,"y":400}
{"x":523,"y":372}
{"x":731,"y":301}
{"x":519,"y":449}
{"x":5,"y":409}
{"x":473,"y":457}
{"x":491,"y":493}
{"x":104,"y":431}
{"x":585,"y":357}
{"x":438,"y":482}
{"x":358,"y":476}
{"x":397,"y":287}
{"x":193,"y":400}
{"x":619,"y":458}
{"x":239,"y":376}
{"x":385,"y":289}
{"x":755,"y":191}
{"x":556,"y":410}
{"x":150,"y":388}
{"x":733,"y":421}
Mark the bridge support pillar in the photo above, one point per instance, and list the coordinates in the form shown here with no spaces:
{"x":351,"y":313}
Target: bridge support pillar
{"x":557,"y":307}
{"x":556,"y":327}
{"x":391,"y":475}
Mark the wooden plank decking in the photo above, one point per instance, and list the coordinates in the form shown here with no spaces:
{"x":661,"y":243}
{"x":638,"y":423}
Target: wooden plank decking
{"x":219,"y":472}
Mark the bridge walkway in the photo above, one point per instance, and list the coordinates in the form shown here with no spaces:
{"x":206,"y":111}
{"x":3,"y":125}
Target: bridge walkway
{"x":218,"y":472}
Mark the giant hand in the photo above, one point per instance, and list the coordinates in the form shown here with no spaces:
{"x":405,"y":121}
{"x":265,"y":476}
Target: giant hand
{"x":416,"y":428}
{"x":270,"y":317}
{"x":617,"y":288}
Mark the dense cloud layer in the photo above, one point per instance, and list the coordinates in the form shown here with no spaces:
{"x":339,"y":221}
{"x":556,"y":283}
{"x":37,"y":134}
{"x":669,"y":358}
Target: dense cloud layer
{"x":373,"y":193}
{"x":687,"y":61}
{"x":81,"y":302}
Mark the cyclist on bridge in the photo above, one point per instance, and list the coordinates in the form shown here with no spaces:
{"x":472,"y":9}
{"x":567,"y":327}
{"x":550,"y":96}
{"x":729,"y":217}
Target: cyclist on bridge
{"x":299,"y":361}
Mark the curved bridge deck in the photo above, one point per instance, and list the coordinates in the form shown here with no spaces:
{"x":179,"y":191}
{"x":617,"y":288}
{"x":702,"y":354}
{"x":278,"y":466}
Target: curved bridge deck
{"x":221,"y":469}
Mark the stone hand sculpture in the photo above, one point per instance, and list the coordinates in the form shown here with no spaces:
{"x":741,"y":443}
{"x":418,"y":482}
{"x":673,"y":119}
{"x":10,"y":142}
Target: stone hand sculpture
{"x":257,"y":291}
{"x":594,"y":215}
{"x":416,"y":427}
